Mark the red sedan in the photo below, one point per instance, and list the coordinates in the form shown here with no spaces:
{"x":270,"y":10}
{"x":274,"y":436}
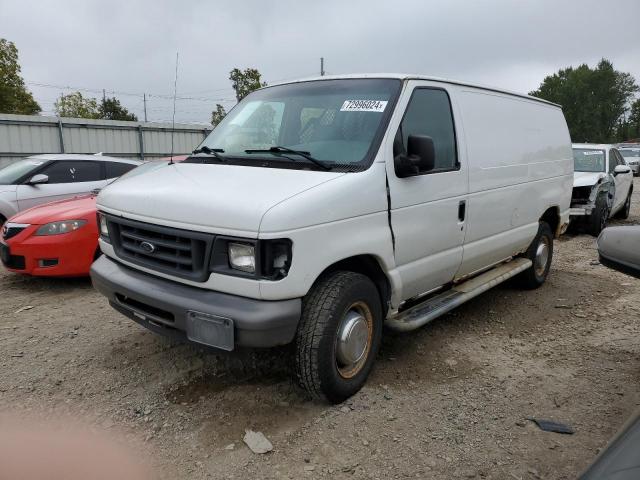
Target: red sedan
{"x":59,"y":239}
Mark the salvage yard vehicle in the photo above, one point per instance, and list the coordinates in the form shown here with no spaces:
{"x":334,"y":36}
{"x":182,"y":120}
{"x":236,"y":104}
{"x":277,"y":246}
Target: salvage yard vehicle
{"x":631,"y":155}
{"x":45,"y":178}
{"x":318,"y":211}
{"x":57,"y":239}
{"x":602,"y":186}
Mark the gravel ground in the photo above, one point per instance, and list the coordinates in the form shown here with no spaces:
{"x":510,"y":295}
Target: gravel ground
{"x":448,"y":401}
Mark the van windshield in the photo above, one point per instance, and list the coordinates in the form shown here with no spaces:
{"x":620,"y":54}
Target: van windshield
{"x":11,"y":173}
{"x":337,"y":122}
{"x":588,"y":160}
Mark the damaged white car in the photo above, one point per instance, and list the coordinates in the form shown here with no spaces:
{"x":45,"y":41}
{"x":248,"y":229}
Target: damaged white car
{"x":602,"y":186}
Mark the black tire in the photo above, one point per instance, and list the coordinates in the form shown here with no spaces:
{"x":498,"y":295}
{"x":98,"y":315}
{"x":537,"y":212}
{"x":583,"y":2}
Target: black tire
{"x":599,"y":216}
{"x":535,"y":276}
{"x":316,"y":345}
{"x":626,"y":208}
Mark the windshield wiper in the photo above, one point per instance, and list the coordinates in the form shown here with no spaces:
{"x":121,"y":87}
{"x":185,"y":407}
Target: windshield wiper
{"x":210,"y":151}
{"x":278,"y":149}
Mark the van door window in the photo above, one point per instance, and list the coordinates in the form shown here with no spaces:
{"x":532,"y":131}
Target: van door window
{"x":429,"y":113}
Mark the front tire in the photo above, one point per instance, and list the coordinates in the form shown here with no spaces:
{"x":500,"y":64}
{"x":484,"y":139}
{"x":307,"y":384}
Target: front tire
{"x":338,"y":336}
{"x":540,"y":252}
{"x":599,"y":216}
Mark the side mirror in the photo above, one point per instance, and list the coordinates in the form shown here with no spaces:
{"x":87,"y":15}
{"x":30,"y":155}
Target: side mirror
{"x":619,"y":249}
{"x":621,"y":169}
{"x":420,"y":157}
{"x":38,"y":179}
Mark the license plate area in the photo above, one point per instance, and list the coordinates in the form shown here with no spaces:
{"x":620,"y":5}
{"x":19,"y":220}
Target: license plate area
{"x":210,"y":330}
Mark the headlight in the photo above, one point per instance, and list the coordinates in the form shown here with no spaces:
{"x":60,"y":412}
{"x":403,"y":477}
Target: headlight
{"x":58,"y":228}
{"x":102,"y":222}
{"x":242,"y":257}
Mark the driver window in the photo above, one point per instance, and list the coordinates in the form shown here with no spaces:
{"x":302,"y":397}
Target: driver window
{"x":429,"y":113}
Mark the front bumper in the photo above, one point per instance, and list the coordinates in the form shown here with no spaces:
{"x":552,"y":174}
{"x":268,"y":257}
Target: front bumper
{"x":193,"y":314}
{"x":66,"y":255}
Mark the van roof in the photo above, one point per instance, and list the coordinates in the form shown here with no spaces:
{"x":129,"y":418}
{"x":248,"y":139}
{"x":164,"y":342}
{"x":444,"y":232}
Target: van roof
{"x":408,"y":76}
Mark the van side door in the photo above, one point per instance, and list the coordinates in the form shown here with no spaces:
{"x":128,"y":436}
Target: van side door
{"x":428,"y":209}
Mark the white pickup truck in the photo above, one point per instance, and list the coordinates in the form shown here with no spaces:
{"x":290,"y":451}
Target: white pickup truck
{"x":319,"y":211}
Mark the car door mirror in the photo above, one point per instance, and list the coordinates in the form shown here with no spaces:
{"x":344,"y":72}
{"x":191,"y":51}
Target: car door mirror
{"x":38,"y":179}
{"x":621,"y":169}
{"x":618,"y":249}
{"x":420,"y":157}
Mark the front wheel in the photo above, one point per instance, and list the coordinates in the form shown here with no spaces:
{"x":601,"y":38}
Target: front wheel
{"x":599,"y":216}
{"x":540,"y":252}
{"x":339,"y":335}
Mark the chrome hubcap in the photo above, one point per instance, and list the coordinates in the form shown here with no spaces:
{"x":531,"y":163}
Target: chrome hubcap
{"x":542,"y":256}
{"x":354,"y":340}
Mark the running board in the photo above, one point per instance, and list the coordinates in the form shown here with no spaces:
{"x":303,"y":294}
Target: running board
{"x":430,"y":309}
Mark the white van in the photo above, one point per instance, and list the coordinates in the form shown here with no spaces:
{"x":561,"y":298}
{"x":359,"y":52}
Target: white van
{"x":319,"y":210}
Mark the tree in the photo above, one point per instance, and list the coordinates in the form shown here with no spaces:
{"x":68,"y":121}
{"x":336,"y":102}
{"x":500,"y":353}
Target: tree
{"x":77,"y":106}
{"x":632,"y":126}
{"x":218,"y":114}
{"x":593,"y":100}
{"x":14,"y":97}
{"x":245,"y":82}
{"x":111,"y":109}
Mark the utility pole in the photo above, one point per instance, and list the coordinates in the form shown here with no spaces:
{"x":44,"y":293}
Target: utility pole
{"x":104,"y":96}
{"x":322,"y":66}
{"x":144,"y":100}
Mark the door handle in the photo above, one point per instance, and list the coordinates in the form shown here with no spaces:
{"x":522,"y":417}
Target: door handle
{"x":462,"y":210}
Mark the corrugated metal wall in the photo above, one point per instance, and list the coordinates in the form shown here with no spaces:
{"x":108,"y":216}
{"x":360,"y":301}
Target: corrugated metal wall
{"x":25,"y":135}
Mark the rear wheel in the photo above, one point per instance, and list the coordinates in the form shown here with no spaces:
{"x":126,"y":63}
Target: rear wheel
{"x":599,"y":216}
{"x":540,"y":252}
{"x":339,"y":336}
{"x":626,"y":208}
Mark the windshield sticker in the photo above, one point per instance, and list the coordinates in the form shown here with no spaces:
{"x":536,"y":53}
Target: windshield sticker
{"x":363,"y":106}
{"x":592,"y":152}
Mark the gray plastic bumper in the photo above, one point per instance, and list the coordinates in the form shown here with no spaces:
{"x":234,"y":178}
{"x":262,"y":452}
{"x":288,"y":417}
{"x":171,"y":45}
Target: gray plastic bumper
{"x":192,"y":314}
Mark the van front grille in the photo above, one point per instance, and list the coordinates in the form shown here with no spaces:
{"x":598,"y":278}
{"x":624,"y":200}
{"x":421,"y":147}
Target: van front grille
{"x":173,"y":251}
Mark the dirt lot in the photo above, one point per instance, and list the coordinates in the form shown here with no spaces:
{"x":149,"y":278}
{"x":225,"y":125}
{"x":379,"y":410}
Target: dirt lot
{"x":449,"y":401}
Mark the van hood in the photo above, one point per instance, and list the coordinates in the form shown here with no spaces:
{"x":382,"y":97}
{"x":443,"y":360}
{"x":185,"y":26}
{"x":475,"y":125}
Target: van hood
{"x":587,"y":179}
{"x":211,"y":197}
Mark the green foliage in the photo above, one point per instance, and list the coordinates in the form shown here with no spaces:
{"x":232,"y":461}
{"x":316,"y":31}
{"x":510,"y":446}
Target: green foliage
{"x":245,"y":82}
{"x":632,"y":126}
{"x":594,"y":101}
{"x":76,"y":106}
{"x":14,"y":97}
{"x":218,"y":114}
{"x":111,"y":109}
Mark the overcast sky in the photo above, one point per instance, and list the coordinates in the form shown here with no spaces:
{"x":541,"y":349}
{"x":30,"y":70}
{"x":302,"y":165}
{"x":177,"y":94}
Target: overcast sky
{"x":130,"y":46}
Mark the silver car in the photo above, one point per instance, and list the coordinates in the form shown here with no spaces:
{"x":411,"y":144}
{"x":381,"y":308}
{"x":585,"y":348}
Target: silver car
{"x":45,"y":178}
{"x":631,"y":155}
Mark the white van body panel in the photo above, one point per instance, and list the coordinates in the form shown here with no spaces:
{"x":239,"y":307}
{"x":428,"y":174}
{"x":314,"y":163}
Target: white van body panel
{"x":520,"y":164}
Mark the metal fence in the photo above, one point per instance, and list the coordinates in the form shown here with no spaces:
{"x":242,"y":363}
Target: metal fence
{"x":25,"y":135}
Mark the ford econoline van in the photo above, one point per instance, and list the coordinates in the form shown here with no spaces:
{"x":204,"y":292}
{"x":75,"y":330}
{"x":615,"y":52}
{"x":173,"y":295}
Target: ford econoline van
{"x":319,"y":211}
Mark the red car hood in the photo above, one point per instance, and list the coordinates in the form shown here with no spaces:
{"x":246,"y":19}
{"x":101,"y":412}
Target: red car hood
{"x":70,"y":209}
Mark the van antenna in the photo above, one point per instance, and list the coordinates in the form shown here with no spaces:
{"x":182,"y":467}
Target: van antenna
{"x":173,"y":120}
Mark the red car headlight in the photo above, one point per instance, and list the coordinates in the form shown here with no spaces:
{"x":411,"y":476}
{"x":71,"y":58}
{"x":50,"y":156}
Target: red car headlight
{"x":58,"y":228}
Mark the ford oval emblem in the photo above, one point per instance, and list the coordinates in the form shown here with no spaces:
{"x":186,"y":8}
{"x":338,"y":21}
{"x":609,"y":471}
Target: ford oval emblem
{"x":147,"y":247}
